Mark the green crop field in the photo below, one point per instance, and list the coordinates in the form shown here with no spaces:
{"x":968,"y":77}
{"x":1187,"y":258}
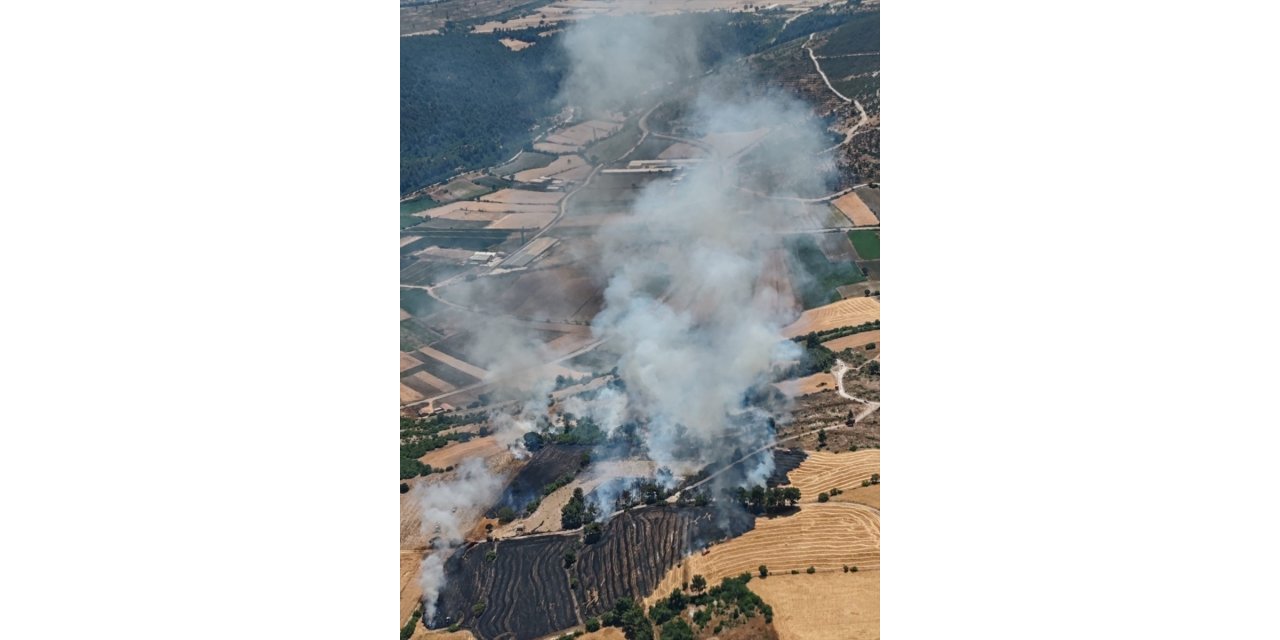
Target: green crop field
{"x":817,"y":278}
{"x":866,"y":242}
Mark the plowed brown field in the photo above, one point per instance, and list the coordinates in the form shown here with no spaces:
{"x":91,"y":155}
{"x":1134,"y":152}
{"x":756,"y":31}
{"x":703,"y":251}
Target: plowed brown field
{"x":855,"y":341}
{"x":454,"y":453}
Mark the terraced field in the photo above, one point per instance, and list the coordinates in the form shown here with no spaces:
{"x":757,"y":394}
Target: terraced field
{"x":824,"y":470}
{"x":525,"y":588}
{"x":640,"y":546}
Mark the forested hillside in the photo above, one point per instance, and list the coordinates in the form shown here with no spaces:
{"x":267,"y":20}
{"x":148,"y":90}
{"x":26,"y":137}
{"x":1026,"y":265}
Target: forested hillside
{"x":466,"y":101}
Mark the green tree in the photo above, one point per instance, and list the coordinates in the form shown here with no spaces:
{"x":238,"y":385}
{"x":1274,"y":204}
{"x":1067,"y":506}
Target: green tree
{"x":764,"y":571}
{"x":699,"y":583}
{"x":823,"y":497}
{"x":677,"y":629}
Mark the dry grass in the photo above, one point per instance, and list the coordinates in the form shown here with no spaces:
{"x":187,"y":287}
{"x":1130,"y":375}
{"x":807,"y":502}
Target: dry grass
{"x":855,"y":341}
{"x":556,"y":148}
{"x":826,"y":536}
{"x":680,"y":150}
{"x":824,"y":471}
{"x":480,"y":210}
{"x":410,"y":588}
{"x":465,"y":367}
{"x":407,"y":361}
{"x":422,"y":633}
{"x":523,"y":221}
{"x":560,"y":168}
{"x":807,"y":385}
{"x":605,"y":633}
{"x":454,"y":453}
{"x":845,"y":313}
{"x":523,"y":196}
{"x":856,"y":210}
{"x":408,"y":395}
{"x":823,"y":606}
{"x":515,"y":45}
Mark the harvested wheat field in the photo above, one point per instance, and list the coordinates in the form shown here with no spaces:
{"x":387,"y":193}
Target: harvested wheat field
{"x":556,"y":148}
{"x":407,"y":361}
{"x":523,"y":196}
{"x":515,"y":45}
{"x":410,"y":588}
{"x":423,"y":633}
{"x":803,"y":605}
{"x":856,"y":210}
{"x":454,"y":453}
{"x":845,"y":313}
{"x":856,"y":341}
{"x":824,"y":471}
{"x":407,"y":395}
{"x":680,"y":151}
{"x":807,"y":385}
{"x":464,"y":367}
{"x":559,"y":168}
{"x":523,"y":221}
{"x":826,"y":536}
{"x":605,"y":633}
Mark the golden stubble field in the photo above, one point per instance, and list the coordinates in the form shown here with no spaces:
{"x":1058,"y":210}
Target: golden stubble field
{"x":823,"y":606}
{"x":845,"y":313}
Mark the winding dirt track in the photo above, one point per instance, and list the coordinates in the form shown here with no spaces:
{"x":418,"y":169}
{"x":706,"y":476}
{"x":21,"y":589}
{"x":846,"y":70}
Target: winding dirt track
{"x":821,"y":72}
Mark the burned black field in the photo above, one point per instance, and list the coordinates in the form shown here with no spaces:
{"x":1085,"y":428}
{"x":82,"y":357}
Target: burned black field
{"x":549,"y":464}
{"x":527,"y":590}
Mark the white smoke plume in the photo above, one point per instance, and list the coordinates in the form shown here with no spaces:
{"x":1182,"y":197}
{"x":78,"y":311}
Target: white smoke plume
{"x":445,"y":507}
{"x":683,"y":305}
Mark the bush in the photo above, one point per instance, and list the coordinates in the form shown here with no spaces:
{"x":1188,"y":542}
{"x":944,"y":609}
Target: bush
{"x":823,"y":497}
{"x":810,"y":570}
{"x":477,"y":608}
{"x":404,"y":487}
{"x":853,"y":569}
{"x":764,"y":571}
{"x":593,"y":625}
{"x":570,"y":558}
{"x":505,"y":515}
{"x":795,"y":572}
{"x":490,"y":555}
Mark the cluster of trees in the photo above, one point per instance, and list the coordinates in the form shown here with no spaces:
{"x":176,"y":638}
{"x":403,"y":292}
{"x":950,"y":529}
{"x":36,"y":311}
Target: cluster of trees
{"x":407,"y":630}
{"x":815,"y":338}
{"x":814,"y":359}
{"x":420,"y":435}
{"x":730,"y":602}
{"x":577,"y":512}
{"x":771,"y":500}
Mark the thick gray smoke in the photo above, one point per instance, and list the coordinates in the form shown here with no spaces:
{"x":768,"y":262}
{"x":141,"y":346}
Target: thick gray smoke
{"x":688,"y":304}
{"x":446,"y":508}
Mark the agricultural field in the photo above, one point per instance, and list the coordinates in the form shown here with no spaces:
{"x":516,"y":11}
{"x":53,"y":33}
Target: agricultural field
{"x":570,"y":168}
{"x":827,"y":536}
{"x":823,"y":471}
{"x":857,"y":341}
{"x":816,"y":277}
{"x":804,"y":605}
{"x":523,"y":161}
{"x":866,"y":242}
{"x":527,"y":590}
{"x":852,"y":206}
{"x":844,"y":313}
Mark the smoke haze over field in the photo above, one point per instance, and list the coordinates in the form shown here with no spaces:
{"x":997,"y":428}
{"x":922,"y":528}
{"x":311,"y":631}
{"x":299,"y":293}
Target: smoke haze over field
{"x":443,"y":504}
{"x":691,"y":356}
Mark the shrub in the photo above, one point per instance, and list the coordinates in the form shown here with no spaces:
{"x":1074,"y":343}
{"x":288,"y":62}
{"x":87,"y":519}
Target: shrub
{"x":764,"y":571}
{"x":823,"y":497}
{"x":404,"y":487}
{"x":570,"y":558}
{"x":505,"y":515}
{"x":795,"y":572}
{"x":490,"y":555}
{"x":477,"y":608}
{"x":853,"y":569}
{"x":593,"y":625}
{"x":810,"y":570}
